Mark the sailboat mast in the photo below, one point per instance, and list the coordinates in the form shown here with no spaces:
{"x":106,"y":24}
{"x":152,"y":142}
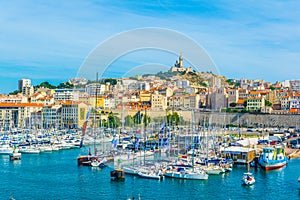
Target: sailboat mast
{"x":145,"y":126}
{"x":96,"y":102}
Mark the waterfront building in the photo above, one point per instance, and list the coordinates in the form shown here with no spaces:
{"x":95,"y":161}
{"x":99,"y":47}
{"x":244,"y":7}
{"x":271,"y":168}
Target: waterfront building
{"x":19,"y":98}
{"x":51,"y":116}
{"x":17,"y":114}
{"x":73,"y":114}
{"x":239,"y":155}
{"x":240,"y":104}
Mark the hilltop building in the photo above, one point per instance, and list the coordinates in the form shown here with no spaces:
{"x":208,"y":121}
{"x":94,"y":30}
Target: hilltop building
{"x":178,"y":66}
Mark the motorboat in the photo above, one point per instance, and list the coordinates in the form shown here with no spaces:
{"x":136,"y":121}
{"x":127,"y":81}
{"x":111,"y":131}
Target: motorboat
{"x":248,"y":179}
{"x":98,"y":162}
{"x":272,"y":158}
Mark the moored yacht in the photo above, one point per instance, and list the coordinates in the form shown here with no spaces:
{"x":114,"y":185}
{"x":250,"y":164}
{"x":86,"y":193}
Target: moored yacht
{"x":5,"y":149}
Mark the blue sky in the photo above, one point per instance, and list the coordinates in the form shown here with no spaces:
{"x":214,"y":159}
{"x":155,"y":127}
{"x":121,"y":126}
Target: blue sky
{"x":49,"y":40}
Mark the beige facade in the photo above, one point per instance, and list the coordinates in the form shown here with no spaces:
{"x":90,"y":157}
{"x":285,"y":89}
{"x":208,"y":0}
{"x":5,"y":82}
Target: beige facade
{"x":255,"y":104}
{"x":233,"y":96}
{"x":17,"y":114}
{"x":73,"y":115}
{"x":158,"y":101}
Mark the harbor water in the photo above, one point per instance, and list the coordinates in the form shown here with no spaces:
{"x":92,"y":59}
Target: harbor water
{"x":56,"y":175}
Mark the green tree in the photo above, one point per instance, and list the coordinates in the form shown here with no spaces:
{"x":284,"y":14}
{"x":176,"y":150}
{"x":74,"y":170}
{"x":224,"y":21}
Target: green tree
{"x":268,"y":103}
{"x":129,"y":121}
{"x":46,"y":84}
{"x":272,"y":88}
{"x":65,"y":85}
{"x":233,"y":104}
{"x":137,"y":118}
{"x":173,"y":119}
{"x":245,"y":104}
{"x":146,"y":119}
{"x":113,"y":120}
{"x":14,"y":92}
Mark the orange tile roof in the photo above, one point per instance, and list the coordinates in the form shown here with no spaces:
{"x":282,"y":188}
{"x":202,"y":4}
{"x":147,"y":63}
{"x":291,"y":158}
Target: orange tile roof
{"x":255,"y":98}
{"x":21,"y":105}
{"x":285,"y":97}
{"x":294,"y":110}
{"x":240,"y":101}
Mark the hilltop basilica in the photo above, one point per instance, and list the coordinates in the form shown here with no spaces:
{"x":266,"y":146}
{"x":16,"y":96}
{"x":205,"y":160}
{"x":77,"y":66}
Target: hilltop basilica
{"x":178,"y":66}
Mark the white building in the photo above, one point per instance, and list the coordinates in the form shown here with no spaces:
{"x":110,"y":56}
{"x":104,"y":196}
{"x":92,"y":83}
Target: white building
{"x":24,"y":86}
{"x":66,"y":95}
{"x":51,"y":116}
{"x":94,"y":89}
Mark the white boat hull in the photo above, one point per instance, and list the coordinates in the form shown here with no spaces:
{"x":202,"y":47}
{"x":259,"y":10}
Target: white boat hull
{"x":189,"y":175}
{"x":149,"y":176}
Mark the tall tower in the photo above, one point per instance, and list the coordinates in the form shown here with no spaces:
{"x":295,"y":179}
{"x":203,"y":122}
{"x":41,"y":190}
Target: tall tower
{"x":23,"y":83}
{"x":180,"y":60}
{"x":24,"y":86}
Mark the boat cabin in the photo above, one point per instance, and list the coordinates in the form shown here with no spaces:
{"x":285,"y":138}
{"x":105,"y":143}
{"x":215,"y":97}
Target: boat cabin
{"x":239,"y":155}
{"x":117,"y":175}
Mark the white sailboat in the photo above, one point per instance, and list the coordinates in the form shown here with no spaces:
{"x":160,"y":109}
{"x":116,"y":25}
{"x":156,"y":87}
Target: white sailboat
{"x":186,"y":172}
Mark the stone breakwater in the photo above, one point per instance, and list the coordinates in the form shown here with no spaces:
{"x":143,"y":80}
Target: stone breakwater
{"x":245,"y":119}
{"x":251,"y":120}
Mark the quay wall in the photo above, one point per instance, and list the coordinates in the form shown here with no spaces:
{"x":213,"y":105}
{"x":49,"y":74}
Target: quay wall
{"x":216,"y":118}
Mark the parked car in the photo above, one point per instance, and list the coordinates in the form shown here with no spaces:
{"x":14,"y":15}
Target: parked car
{"x":265,"y":142}
{"x":296,"y":146}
